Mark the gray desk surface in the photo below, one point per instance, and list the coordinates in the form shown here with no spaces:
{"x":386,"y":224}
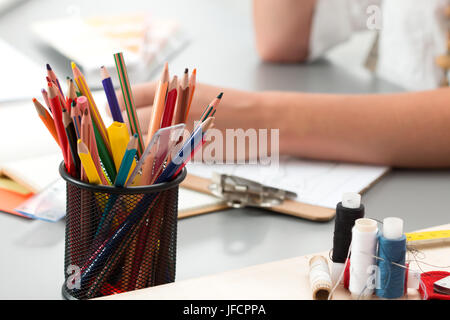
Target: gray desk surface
{"x":222,"y":49}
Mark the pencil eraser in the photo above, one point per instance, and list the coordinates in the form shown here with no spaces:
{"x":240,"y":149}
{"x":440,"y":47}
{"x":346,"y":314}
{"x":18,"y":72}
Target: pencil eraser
{"x":351,"y":200}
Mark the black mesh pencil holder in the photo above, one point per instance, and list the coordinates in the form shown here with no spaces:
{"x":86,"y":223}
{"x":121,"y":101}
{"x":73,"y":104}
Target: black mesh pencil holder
{"x":119,"y":239}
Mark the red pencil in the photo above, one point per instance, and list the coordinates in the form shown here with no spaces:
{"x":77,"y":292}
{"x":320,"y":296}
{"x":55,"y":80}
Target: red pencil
{"x":170,"y":103}
{"x":56,"y":109}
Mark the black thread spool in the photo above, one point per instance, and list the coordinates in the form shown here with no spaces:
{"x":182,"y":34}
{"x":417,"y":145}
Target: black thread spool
{"x":346,"y":215}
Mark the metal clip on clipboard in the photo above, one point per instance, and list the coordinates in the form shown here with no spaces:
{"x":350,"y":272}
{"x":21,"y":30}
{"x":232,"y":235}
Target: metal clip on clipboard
{"x":238,"y":192}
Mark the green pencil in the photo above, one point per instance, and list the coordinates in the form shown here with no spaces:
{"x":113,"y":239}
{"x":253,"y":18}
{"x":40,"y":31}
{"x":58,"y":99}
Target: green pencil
{"x":103,"y":153}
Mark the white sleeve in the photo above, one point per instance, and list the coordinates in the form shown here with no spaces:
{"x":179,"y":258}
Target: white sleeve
{"x":334,"y":22}
{"x":413,"y":34}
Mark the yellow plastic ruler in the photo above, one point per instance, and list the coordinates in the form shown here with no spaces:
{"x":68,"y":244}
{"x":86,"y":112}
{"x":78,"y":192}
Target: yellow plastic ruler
{"x":428,"y":235}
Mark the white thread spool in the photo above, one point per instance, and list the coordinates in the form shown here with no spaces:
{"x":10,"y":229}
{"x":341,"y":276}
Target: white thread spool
{"x":392,"y":228}
{"x":319,"y":278}
{"x":363,"y":250}
{"x":350,"y":200}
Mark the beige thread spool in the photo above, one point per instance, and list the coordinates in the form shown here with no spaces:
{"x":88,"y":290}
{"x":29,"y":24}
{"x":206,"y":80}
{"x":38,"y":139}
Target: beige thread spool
{"x":319,"y":278}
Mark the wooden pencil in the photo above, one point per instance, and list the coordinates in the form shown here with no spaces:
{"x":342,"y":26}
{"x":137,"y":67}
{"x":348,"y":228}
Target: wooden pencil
{"x":56,"y":109}
{"x":192,"y":84}
{"x":87,"y":135}
{"x":170,"y":103}
{"x":111,"y":95}
{"x":46,"y":119}
{"x":51,"y":74}
{"x":182,"y":101}
{"x":45,"y":97}
{"x":82,"y":104}
{"x":155,"y":121}
{"x":158,"y":103}
{"x":128,"y":99}
{"x":95,"y":114}
{"x":76,"y":113}
{"x":72,"y":139}
{"x":88,"y":163}
{"x":71,"y":92}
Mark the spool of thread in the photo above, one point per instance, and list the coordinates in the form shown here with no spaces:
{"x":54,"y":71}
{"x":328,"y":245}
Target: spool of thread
{"x":319,"y":278}
{"x":364,"y":242}
{"x":392,"y":253}
{"x":347,"y":212}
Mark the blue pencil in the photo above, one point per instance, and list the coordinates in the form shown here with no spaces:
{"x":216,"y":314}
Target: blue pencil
{"x":127,"y":161}
{"x":111,"y":95}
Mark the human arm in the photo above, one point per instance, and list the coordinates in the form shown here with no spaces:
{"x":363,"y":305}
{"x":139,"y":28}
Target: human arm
{"x":282,"y":29}
{"x":404,"y":130}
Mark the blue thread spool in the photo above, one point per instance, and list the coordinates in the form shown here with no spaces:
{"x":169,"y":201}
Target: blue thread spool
{"x":391,"y":249}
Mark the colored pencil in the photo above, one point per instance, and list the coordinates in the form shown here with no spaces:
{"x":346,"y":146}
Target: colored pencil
{"x":158,"y":103}
{"x":185,"y":152}
{"x":88,"y":163}
{"x":170,"y":103}
{"x":72,"y":139}
{"x":56,"y":109}
{"x":87,"y":135}
{"x":155,"y":120}
{"x":76,"y":113}
{"x":46,"y":119}
{"x":128,"y":99}
{"x":45,"y":96}
{"x":111,"y":95}
{"x":192,"y":84}
{"x":212,"y":106}
{"x":71,"y":92}
{"x":96,"y":117}
{"x":127,"y":161}
{"x":182,"y":101}
{"x":51,"y":74}
{"x":107,"y":160}
{"x":119,"y":138}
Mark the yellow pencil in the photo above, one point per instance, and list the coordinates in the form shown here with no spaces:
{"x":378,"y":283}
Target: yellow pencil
{"x":119,"y":138}
{"x":96,"y":117}
{"x":88,"y":163}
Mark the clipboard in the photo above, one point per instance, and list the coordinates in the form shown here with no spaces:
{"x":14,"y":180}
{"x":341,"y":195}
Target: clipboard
{"x":289,"y":207}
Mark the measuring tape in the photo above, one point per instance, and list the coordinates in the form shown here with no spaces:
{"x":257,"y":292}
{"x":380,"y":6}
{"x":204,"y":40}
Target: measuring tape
{"x":428,"y":236}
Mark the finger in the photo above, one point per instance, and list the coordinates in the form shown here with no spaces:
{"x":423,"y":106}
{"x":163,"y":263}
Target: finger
{"x":143,"y":115}
{"x":143,"y":95}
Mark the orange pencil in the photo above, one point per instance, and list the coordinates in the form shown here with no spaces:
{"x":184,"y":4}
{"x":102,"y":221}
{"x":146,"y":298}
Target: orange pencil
{"x":158,"y":103}
{"x":155,"y":121}
{"x":46,"y":119}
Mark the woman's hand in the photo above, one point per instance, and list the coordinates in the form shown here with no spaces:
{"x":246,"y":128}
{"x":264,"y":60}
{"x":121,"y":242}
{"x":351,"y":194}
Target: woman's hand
{"x":232,"y":107}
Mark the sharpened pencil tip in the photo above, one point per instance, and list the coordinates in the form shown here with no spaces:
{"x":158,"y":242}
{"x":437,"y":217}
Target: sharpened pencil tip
{"x":186,"y":70}
{"x":34,"y":99}
{"x":48,"y":67}
{"x":220,"y":95}
{"x":73,"y":65}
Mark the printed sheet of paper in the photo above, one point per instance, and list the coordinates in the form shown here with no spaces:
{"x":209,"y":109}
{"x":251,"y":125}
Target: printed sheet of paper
{"x":315,"y":182}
